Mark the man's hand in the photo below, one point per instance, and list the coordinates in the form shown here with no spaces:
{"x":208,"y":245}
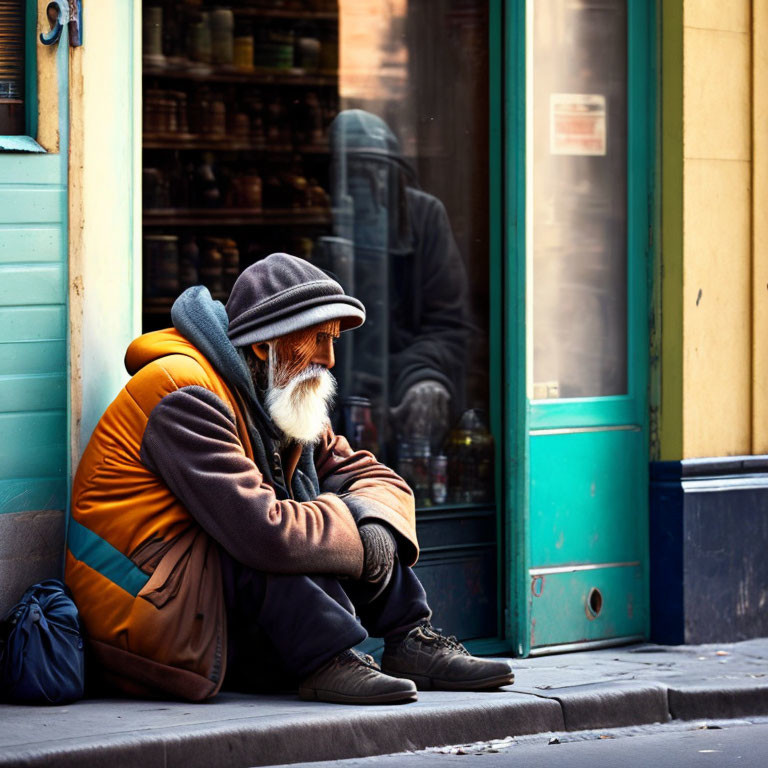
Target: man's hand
{"x":379,"y":548}
{"x":423,"y":411}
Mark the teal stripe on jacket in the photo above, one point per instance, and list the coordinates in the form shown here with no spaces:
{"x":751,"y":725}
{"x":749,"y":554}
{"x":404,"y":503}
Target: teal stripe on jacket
{"x":99,"y":554}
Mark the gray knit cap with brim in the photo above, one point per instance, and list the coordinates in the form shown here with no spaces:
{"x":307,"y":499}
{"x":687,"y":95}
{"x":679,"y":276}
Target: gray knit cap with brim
{"x":282,"y":294}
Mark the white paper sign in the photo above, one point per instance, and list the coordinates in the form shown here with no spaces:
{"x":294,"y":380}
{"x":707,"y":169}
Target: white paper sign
{"x":577,"y":124}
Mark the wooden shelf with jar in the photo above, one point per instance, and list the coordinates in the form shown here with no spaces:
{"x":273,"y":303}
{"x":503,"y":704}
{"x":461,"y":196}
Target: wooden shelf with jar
{"x":293,"y":10}
{"x":289,"y":14}
{"x":236,"y":217}
{"x":213,"y":143}
{"x":157,"y":305}
{"x":227,"y":144}
{"x":259,"y":77}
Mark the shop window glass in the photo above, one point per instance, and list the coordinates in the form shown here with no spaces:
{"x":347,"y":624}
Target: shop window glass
{"x":11,"y":67}
{"x":579,"y":198}
{"x":354,"y":135}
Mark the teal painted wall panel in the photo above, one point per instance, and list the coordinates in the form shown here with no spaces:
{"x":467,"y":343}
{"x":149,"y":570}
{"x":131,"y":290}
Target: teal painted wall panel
{"x":33,"y":445}
{"x":587,"y":497}
{"x":31,"y":243}
{"x":32,"y":284}
{"x":33,"y":314}
{"x":28,"y":169}
{"x":31,"y":205}
{"x":32,"y":357}
{"x":33,"y":393}
{"x":41,"y":323}
{"x":30,"y":494}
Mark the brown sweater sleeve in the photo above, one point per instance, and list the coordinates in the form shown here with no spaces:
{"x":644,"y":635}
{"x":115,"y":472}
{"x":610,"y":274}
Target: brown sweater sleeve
{"x":371,"y":490}
{"x":191,"y":442}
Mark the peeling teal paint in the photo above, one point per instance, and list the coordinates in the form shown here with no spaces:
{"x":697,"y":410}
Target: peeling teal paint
{"x":19,"y":144}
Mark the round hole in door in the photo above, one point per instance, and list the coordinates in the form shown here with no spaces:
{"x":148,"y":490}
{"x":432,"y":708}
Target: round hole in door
{"x":594,"y":603}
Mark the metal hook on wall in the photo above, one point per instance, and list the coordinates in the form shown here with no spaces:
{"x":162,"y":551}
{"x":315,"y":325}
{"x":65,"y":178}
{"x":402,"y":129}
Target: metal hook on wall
{"x":59,"y":13}
{"x":54,"y":14}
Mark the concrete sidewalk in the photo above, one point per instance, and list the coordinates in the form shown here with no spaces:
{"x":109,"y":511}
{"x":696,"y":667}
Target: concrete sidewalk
{"x":596,"y":689}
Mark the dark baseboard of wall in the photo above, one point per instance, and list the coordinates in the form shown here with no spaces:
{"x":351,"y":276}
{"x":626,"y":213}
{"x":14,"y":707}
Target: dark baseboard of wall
{"x":709,"y":549}
{"x":31,"y":549}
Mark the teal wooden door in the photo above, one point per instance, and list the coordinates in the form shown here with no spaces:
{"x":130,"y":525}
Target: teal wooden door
{"x":587,"y":190}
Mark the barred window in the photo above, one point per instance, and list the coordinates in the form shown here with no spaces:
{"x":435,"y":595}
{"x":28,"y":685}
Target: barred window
{"x":11,"y":67}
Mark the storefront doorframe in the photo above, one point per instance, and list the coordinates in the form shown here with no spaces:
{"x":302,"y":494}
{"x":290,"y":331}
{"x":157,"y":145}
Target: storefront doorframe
{"x":516,"y":475}
{"x":517,"y":306}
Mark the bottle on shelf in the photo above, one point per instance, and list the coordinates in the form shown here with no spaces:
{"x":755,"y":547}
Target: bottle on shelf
{"x":222,"y":23}
{"x":207,"y":189}
{"x":189,"y":263}
{"x":243,"y":48}
{"x":230,"y":263}
{"x":439,"y":479}
{"x":359,"y":428}
{"x":212,"y":267}
{"x":199,"y":39}
{"x":161,"y":258}
{"x":421,"y":460}
{"x":470,"y":460}
{"x":152,"y":36}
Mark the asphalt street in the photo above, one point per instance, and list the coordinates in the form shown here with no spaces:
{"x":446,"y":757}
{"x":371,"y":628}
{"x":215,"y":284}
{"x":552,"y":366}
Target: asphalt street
{"x":682,"y":745}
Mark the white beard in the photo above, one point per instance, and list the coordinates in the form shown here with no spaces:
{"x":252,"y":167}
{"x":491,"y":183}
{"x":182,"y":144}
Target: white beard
{"x":301,"y":412}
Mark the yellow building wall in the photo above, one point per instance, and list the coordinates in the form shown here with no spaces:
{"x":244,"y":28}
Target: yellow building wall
{"x":713,"y":361}
{"x":760,"y":228}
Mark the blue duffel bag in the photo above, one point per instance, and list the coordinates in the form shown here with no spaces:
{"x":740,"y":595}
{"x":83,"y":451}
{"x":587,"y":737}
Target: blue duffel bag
{"x":41,"y":648}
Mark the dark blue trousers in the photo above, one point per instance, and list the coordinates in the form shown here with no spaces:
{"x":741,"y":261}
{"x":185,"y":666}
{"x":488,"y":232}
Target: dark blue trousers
{"x":282,"y":627}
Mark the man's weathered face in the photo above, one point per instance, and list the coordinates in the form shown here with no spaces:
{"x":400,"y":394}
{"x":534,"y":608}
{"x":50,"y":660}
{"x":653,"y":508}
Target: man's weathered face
{"x":301,"y":387}
{"x":297,"y":351}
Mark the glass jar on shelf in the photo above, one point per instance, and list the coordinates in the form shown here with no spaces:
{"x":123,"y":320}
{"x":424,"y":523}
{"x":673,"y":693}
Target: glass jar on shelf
{"x":189,"y":263}
{"x":222,"y":22}
{"x":152,"y":36}
{"x":182,"y":113}
{"x":273,"y":48}
{"x":421,"y":457}
{"x":307,"y":55}
{"x":161,"y":259}
{"x":217,"y":127}
{"x":212,"y":267}
{"x":439,"y":479}
{"x":470,"y":460}
{"x":359,"y":428}
{"x":231,"y":263}
{"x":243,"y":50}
{"x":199,"y":39}
{"x":249,"y":193}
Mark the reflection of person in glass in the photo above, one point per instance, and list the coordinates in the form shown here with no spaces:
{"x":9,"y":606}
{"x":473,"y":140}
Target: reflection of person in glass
{"x":394,"y":247}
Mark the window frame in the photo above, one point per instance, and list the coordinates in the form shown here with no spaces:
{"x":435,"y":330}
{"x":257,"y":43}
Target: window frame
{"x":26,"y":142}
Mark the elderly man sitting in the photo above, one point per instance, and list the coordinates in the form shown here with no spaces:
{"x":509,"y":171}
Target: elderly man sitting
{"x":216,"y":515}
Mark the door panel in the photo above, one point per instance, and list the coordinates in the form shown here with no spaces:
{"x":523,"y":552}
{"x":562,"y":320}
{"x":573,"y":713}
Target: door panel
{"x":586,"y":495}
{"x":588,"y":171}
{"x":564,"y":608}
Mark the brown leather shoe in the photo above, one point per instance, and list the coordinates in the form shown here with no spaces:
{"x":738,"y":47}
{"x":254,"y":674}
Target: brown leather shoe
{"x":436,"y":662}
{"x":352,"y":678}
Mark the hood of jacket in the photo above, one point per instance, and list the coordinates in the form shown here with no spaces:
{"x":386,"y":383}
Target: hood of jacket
{"x":200,"y":327}
{"x":355,"y":131}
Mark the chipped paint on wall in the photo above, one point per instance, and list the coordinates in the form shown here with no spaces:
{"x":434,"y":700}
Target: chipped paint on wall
{"x":47,"y":86}
{"x":105,"y":211}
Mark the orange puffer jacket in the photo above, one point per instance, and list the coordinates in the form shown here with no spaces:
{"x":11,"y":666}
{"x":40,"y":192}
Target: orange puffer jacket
{"x":145,"y":571}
